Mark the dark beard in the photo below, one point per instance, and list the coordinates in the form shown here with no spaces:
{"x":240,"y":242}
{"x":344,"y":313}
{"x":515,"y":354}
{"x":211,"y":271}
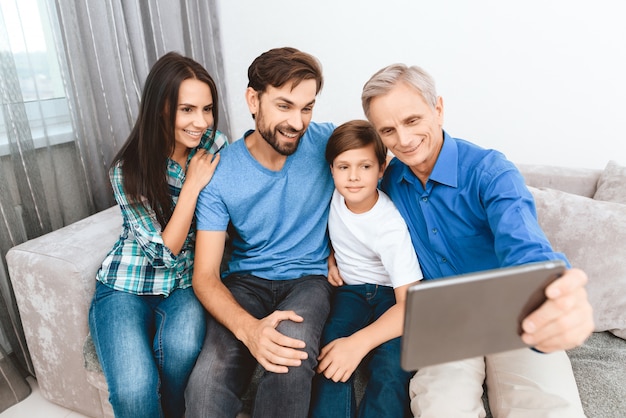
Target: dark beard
{"x":284,"y":149}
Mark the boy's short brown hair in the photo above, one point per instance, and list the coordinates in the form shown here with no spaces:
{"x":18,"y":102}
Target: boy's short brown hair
{"x":353,"y":135}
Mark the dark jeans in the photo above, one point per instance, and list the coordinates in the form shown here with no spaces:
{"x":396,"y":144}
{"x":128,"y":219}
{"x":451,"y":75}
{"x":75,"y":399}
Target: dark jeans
{"x":225,"y":366}
{"x":387,"y":392}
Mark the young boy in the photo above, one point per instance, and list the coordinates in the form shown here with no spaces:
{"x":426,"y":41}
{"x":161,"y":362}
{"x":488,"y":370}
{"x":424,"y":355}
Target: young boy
{"x":376,"y":264}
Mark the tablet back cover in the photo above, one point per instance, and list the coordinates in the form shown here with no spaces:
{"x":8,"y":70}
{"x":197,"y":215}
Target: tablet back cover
{"x":472,"y":315}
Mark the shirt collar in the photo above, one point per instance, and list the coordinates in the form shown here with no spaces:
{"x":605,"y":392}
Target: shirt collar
{"x":205,"y":142}
{"x":447,"y":164}
{"x":445,"y":170}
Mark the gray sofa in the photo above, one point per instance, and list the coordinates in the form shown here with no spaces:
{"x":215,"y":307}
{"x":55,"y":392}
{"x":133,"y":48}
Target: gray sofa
{"x":53,"y":279}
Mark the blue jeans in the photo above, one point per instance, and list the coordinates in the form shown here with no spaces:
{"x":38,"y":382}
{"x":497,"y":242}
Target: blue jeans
{"x":147,"y":346}
{"x":225,"y":365}
{"x":387,"y":392}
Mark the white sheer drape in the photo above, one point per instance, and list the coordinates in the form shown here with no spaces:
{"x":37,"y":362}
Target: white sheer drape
{"x":110,"y":47}
{"x":53,"y":166}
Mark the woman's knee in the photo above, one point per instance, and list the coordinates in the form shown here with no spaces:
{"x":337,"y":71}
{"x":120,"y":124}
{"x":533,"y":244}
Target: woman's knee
{"x":137,"y":390}
{"x":181,"y":329}
{"x":185,"y":341}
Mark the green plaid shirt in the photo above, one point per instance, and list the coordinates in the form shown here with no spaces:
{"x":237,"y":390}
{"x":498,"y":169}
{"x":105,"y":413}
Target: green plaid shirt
{"x":139,"y":262}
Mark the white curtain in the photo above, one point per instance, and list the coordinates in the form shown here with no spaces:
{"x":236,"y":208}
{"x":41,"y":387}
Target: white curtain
{"x":55,"y":146}
{"x":109,"y":47}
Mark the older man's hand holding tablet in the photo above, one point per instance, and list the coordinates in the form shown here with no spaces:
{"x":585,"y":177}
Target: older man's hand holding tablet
{"x":472,"y":314}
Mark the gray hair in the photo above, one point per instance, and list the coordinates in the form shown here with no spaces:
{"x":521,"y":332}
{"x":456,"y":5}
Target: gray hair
{"x":386,"y":79}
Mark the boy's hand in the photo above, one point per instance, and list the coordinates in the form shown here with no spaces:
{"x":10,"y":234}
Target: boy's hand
{"x":334,"y":277}
{"x":340,"y":358}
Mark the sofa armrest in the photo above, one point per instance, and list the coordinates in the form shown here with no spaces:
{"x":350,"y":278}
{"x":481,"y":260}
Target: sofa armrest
{"x":53,"y":278}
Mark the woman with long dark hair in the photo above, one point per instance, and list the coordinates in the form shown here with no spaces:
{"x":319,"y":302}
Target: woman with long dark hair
{"x":146,"y":323}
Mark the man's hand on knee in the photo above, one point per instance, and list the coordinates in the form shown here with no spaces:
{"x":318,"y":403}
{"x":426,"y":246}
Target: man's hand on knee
{"x":273,"y":350}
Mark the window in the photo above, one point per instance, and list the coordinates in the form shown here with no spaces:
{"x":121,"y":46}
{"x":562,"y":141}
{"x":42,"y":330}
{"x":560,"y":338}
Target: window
{"x":30,"y":64}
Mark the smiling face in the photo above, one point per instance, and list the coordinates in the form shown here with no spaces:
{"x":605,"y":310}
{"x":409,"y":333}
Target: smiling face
{"x":283,"y":114}
{"x":194,"y":115}
{"x":409,"y":127}
{"x":356,"y":173}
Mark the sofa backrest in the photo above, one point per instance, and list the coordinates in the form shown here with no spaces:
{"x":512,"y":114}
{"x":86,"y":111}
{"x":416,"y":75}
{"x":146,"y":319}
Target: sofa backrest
{"x":580,"y":181}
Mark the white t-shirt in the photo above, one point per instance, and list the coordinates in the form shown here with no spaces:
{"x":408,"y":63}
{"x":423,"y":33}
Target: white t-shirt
{"x":372,"y":247}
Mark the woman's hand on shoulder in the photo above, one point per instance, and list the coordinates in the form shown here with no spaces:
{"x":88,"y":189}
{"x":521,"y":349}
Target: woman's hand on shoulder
{"x":201,"y":169}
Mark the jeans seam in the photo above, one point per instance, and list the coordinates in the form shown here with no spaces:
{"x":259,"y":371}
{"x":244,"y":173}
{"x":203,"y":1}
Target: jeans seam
{"x":158,"y":333}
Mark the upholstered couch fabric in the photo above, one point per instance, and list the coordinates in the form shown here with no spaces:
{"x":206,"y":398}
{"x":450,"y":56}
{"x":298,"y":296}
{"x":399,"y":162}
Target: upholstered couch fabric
{"x":584,"y":228}
{"x":54,"y":277}
{"x":612,"y":184}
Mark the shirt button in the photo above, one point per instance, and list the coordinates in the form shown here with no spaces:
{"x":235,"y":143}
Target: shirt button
{"x":444,"y":260}
{"x":424,"y":199}
{"x":434,"y":230}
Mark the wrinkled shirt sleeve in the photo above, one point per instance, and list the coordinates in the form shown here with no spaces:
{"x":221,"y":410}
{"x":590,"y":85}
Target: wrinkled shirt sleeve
{"x":512,"y":217}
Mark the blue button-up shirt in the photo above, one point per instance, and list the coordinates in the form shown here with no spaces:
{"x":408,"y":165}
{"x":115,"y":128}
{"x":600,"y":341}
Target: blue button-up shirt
{"x":474,"y":213}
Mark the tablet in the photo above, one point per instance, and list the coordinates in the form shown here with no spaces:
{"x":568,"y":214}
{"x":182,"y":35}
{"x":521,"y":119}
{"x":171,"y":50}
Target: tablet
{"x":473,"y":314}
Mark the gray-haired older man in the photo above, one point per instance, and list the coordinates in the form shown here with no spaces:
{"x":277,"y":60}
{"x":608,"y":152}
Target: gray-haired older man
{"x":468,"y":209}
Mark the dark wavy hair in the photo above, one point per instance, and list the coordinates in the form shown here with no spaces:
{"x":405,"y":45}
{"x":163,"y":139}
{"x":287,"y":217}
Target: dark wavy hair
{"x":278,"y":66}
{"x":144,"y":155}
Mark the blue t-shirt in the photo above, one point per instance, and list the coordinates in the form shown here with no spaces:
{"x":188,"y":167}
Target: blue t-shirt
{"x":279,"y":218}
{"x":475,"y":213}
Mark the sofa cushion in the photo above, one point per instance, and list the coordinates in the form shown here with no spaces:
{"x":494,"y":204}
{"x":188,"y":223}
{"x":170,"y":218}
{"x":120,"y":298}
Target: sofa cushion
{"x":598,"y":367}
{"x":591,"y":234}
{"x":612,"y":184}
